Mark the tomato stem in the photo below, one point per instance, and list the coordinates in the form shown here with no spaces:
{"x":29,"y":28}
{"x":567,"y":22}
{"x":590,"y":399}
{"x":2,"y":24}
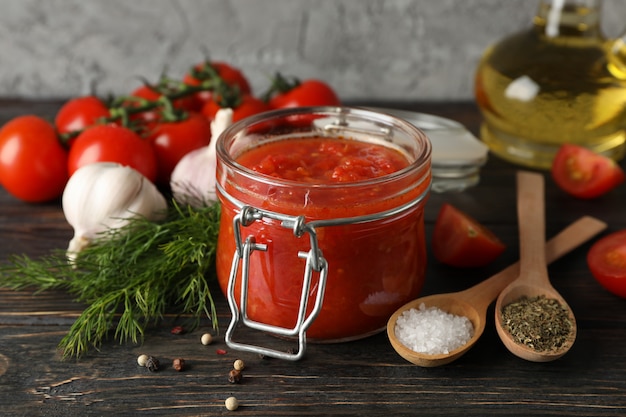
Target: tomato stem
{"x":168,"y":90}
{"x":280,"y":84}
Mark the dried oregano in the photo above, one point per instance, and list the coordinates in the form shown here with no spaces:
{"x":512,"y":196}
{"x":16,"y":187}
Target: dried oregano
{"x":541,"y":323}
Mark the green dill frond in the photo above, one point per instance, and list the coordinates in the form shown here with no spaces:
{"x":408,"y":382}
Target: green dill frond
{"x":129,"y":277}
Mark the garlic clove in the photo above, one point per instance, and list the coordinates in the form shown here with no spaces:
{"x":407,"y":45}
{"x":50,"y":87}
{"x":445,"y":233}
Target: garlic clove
{"x":193,"y":179}
{"x":105,"y":195}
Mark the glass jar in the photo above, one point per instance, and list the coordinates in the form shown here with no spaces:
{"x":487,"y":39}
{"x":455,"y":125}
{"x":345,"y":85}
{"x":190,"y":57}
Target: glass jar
{"x":325,"y":261}
{"x":559,"y":81}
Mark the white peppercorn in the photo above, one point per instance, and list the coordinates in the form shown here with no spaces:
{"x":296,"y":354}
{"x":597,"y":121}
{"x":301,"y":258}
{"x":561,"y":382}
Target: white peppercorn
{"x":142,"y":359}
{"x":231,"y":403}
{"x":238,"y":365}
{"x":206,"y":339}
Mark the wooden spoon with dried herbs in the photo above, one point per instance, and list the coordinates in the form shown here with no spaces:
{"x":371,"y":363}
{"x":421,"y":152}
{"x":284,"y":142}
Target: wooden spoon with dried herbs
{"x":532,"y":319}
{"x":130,"y":277}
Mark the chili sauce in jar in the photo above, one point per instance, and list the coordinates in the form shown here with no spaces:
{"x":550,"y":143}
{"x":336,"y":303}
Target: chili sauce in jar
{"x":335,"y":191}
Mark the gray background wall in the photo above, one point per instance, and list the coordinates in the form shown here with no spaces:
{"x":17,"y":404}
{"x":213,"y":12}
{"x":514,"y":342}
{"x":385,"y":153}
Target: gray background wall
{"x":383,"y":49}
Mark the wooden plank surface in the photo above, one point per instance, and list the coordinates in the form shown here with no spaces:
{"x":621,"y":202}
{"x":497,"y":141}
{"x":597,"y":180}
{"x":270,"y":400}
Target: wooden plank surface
{"x":352,"y":379}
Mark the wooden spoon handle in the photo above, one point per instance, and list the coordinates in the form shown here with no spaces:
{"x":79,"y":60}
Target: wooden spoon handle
{"x":532,"y":225}
{"x":577,"y":233}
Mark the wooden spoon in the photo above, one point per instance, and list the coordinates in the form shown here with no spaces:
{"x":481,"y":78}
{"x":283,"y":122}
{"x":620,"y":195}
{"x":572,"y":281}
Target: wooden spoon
{"x":533,"y":279}
{"x":473,"y":302}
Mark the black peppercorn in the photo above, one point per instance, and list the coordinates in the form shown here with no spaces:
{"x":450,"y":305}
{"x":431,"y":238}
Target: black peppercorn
{"x":152,"y":364}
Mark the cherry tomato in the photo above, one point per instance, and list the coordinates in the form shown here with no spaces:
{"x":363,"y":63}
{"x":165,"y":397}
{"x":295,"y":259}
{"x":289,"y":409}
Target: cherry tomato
{"x":173,"y":140}
{"x":204,"y":71}
{"x":607,"y":262}
{"x":187,"y":103}
{"x":113,"y":143}
{"x":33,"y":163}
{"x":285,"y":93}
{"x":584,"y":173}
{"x":461,"y":241}
{"x":248,"y":106}
{"x":78,"y":113}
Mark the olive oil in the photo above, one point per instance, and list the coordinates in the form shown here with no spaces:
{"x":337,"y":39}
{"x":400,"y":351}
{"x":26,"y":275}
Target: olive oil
{"x":552,"y":84}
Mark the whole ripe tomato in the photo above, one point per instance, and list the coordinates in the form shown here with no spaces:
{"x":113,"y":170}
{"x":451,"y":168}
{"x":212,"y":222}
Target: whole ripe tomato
{"x":78,"y":113}
{"x":113,"y":143}
{"x":206,"y":70}
{"x":285,"y":93}
{"x":248,"y":105}
{"x":461,"y":241}
{"x":584,"y":173}
{"x":187,"y":103}
{"x":33,"y":163}
{"x":173,"y":140}
{"x":607,"y":262}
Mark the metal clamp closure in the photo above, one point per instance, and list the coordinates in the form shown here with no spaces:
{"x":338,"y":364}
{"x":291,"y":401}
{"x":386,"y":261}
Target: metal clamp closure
{"x":315,"y":262}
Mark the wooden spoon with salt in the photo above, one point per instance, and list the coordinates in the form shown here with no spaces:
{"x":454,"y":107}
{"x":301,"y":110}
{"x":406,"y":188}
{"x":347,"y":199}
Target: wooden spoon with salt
{"x":533,"y":280}
{"x":473,"y":302}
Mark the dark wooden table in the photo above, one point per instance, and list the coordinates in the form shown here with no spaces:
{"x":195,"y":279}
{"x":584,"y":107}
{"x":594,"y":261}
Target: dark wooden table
{"x":359,"y":378}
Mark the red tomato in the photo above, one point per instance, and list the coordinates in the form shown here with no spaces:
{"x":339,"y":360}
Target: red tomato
{"x":113,"y":143}
{"x":607,"y":261}
{"x":33,"y":163}
{"x":248,"y":106}
{"x":204,"y":71}
{"x":187,"y":103}
{"x":80,"y":112}
{"x":173,"y":140}
{"x":460,"y":241}
{"x":312,"y":92}
{"x":583,"y":173}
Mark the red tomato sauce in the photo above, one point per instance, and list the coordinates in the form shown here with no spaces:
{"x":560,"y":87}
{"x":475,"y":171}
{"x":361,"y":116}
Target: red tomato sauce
{"x":319,"y":161}
{"x":373,"y":267}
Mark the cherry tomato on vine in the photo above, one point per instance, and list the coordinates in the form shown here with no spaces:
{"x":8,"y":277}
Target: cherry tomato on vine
{"x":206,"y":70}
{"x":80,"y":112}
{"x":113,"y":143}
{"x":607,"y":262}
{"x":173,"y":140}
{"x":286,"y":93}
{"x":33,"y":163}
{"x":461,"y":241}
{"x":584,"y":173}
{"x":247,"y":105}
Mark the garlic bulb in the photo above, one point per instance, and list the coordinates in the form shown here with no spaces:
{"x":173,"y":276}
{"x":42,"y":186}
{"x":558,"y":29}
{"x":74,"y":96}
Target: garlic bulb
{"x":193,"y":178}
{"x":105,"y":195}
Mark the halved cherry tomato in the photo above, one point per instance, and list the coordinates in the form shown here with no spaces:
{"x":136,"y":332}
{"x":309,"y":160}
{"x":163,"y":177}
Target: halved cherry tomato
{"x":173,"y":140}
{"x":286,"y":93}
{"x":113,"y":143}
{"x":33,"y":163}
{"x":461,"y":241}
{"x":247,"y":106}
{"x":607,"y":262}
{"x":80,"y":112}
{"x":206,"y":70}
{"x":584,"y":173}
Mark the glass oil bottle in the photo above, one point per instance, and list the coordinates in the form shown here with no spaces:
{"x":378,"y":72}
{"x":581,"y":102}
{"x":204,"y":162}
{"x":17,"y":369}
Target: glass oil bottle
{"x":560,"y":81}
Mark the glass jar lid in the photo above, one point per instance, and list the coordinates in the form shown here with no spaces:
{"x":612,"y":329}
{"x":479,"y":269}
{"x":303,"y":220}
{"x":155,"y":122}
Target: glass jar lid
{"x":457,"y":155}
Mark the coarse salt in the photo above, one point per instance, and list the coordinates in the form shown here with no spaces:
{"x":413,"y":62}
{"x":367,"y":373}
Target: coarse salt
{"x":432,"y":331}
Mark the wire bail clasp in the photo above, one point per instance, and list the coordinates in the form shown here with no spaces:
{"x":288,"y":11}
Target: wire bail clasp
{"x":315,"y":262}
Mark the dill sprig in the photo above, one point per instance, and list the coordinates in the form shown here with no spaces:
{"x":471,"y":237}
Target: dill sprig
{"x":130,"y":277}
